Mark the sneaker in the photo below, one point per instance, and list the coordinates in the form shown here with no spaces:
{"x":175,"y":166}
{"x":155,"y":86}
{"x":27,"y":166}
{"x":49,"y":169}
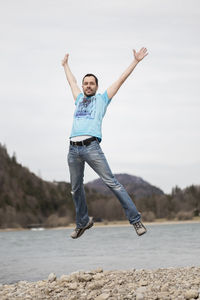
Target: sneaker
{"x":139,"y":228}
{"x":79,"y":231}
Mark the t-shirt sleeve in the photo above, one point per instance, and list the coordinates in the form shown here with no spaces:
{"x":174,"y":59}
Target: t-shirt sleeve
{"x":105,"y":97}
{"x":78,"y":98}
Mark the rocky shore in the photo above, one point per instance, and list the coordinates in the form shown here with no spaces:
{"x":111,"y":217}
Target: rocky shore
{"x":163,"y":284}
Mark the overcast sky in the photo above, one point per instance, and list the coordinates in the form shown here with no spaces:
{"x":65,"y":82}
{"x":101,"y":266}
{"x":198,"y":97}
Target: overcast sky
{"x":152,"y":126}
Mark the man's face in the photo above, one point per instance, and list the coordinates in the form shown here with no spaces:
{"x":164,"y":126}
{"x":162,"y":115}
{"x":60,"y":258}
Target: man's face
{"x":89,"y":86}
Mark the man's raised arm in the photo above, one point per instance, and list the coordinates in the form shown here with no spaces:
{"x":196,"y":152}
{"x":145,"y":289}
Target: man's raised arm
{"x":138,"y":56}
{"x":70,"y":77}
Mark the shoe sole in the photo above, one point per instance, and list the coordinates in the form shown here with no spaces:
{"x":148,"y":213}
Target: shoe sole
{"x":83,"y":230}
{"x":141,"y":233}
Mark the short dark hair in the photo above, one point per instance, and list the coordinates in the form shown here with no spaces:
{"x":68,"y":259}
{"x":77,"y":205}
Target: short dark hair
{"x":87,"y":75}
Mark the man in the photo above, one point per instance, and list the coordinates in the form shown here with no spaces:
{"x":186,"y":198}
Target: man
{"x":84,"y":144}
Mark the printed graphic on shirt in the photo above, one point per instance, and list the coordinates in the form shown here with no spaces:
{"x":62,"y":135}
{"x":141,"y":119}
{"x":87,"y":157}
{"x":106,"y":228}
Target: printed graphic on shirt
{"x":86,"y":108}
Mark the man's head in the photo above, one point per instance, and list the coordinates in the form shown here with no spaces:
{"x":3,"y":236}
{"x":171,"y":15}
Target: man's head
{"x":89,"y":85}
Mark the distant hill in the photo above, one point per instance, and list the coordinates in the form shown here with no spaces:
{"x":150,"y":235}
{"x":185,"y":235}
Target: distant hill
{"x":134,"y":185}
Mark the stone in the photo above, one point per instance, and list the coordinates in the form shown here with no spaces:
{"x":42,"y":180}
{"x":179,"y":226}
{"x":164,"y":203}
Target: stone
{"x":41,"y":284}
{"x":121,"y":281}
{"x":96,"y":285}
{"x":73,"y":298}
{"x":191,"y":294}
{"x":51,"y":277}
{"x":139,"y":296}
{"x":98,"y":270}
{"x":103,"y":296}
{"x":165,"y":288}
{"x":84,"y":278}
{"x":73,"y":286}
{"x":92,"y":295}
{"x":143,"y":283}
{"x":23,"y":282}
{"x":98,"y":276}
{"x":164,"y":296}
{"x":64,"y":278}
{"x":141,"y":289}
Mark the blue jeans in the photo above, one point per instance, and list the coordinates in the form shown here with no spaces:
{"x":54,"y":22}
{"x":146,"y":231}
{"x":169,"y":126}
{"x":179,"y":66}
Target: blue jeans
{"x":93,"y":155}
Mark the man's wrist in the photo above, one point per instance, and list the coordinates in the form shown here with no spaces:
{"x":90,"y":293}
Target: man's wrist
{"x":136,"y":61}
{"x":65,"y":65}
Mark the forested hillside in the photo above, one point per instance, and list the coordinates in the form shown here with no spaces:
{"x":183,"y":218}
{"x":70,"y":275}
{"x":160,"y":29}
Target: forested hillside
{"x":26,"y":199}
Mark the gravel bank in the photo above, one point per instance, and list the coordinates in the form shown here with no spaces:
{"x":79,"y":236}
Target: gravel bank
{"x":163,"y":284}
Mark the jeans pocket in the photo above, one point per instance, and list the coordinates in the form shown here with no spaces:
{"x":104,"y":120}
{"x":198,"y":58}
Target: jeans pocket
{"x":92,"y":146}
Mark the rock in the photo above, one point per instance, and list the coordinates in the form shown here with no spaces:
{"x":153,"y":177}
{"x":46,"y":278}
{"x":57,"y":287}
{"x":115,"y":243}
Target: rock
{"x":92,"y":295}
{"x":191,"y":294}
{"x":165,"y":288}
{"x":73,"y":286}
{"x":23,"y":282}
{"x":103,"y":296}
{"x":129,"y":297}
{"x":73,"y":298}
{"x":64,"y":278}
{"x":96,"y":285}
{"x":41,"y":284}
{"x":73,"y":277}
{"x":139,"y":296}
{"x":84,"y":277}
{"x":121,"y":281}
{"x":98,"y":276}
{"x":141,"y":289}
{"x":143,"y":283}
{"x":163,"y":296}
{"x":51,"y":277}
{"x":98,"y":270}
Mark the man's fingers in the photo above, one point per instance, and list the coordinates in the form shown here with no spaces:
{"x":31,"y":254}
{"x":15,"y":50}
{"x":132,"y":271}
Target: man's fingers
{"x":143,"y":49}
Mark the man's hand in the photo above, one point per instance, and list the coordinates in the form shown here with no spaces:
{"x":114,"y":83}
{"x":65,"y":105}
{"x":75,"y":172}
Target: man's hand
{"x":140,"y":54}
{"x":65,"y":59}
{"x":112,"y":90}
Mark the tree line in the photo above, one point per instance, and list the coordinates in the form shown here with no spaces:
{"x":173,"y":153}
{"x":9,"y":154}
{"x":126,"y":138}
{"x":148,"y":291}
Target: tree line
{"x":27,"y":200}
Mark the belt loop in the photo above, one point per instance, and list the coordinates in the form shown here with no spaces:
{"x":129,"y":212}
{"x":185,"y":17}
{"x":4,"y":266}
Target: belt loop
{"x":82,"y":142}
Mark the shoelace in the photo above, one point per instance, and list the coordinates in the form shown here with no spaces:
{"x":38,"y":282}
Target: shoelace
{"x":138,"y":225}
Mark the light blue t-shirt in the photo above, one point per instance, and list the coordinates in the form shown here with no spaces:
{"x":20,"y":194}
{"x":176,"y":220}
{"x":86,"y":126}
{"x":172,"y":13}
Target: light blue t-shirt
{"x":89,"y":114}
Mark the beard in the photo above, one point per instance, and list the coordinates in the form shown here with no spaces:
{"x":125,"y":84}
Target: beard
{"x":89,"y":93}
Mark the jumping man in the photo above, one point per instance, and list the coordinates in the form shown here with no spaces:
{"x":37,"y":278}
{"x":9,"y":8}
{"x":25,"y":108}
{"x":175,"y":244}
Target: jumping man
{"x":85,"y":141}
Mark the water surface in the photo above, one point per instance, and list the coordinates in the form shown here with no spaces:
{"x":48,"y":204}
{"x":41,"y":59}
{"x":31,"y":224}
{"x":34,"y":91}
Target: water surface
{"x":32,"y":255}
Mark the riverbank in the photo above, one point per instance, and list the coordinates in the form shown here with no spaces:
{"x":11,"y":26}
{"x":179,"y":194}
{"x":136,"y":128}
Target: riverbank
{"x":116,"y":223}
{"x":164,"y":284}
